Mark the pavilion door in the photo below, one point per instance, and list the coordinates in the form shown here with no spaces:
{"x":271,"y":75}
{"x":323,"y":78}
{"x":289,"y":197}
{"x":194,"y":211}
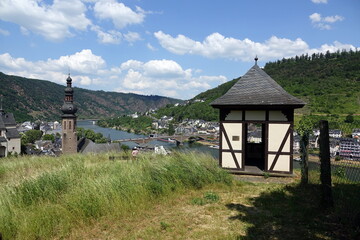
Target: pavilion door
{"x":231,"y":149}
{"x":255,"y":145}
{"x":279,"y":148}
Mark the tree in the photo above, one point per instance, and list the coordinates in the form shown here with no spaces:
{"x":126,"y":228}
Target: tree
{"x":171,"y":129}
{"x":49,"y":137}
{"x":349,"y":119}
{"x":31,"y":136}
{"x":304,"y":129}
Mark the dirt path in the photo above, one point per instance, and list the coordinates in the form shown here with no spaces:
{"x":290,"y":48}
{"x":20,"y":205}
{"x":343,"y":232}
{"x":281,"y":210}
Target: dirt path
{"x":262,"y":179}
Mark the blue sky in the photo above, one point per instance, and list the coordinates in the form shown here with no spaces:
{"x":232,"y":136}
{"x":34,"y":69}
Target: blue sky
{"x":165,"y":47}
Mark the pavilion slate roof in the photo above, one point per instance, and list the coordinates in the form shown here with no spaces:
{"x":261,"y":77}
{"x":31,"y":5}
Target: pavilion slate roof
{"x":8,"y":119}
{"x":257,"y":88}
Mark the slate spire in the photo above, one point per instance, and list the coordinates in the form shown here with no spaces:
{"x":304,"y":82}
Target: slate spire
{"x":68,"y":108}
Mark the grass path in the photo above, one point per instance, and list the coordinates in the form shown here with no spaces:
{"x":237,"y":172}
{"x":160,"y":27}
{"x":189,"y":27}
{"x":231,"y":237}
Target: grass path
{"x":246,"y":210}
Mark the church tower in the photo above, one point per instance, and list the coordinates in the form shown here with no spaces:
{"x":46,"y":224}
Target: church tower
{"x":69,"y":136}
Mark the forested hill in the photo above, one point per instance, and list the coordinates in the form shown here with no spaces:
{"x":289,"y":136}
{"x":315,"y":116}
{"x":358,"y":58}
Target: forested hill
{"x":31,"y":99}
{"x":329,"y":84}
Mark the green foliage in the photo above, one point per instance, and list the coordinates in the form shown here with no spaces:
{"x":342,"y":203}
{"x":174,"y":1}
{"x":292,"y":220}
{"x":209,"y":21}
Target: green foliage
{"x":209,"y":197}
{"x":328,"y":83}
{"x":90,"y":134}
{"x":49,"y":137}
{"x":164,"y":226}
{"x":125,"y":148}
{"x":349,"y":118}
{"x":31,"y":136}
{"x":340,"y":172}
{"x":306,"y":125}
{"x":171,"y":130}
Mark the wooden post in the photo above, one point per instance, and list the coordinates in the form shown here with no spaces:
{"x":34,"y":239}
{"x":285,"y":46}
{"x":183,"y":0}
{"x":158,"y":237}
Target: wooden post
{"x":304,"y":142}
{"x":325,"y":167}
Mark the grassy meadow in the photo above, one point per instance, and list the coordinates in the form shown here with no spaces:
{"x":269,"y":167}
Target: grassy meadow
{"x":182,"y":196}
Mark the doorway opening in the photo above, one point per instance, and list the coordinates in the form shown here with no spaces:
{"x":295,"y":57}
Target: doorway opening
{"x":255,"y":145}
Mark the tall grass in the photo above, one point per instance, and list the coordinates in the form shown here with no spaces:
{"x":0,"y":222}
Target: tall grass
{"x":69,"y":191}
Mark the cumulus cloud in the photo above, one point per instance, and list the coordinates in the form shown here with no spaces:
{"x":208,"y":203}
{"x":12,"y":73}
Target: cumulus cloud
{"x":218,"y":46}
{"x":83,"y":65}
{"x":319,"y":1}
{"x":323,"y":23}
{"x":164,"y":77}
{"x":118,"y":13}
{"x":53,"y":22}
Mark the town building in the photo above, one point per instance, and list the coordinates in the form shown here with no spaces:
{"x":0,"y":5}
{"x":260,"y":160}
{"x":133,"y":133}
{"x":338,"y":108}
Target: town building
{"x":69,"y":136}
{"x":10,"y":140}
{"x":349,"y":149}
{"x":257,"y":101}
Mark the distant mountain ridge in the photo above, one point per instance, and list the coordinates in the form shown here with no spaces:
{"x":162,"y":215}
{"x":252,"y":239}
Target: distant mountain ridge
{"x":31,"y":99}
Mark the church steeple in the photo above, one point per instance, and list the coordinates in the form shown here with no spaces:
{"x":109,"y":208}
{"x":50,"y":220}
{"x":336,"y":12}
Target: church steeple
{"x":68,"y":108}
{"x":69,"y":136}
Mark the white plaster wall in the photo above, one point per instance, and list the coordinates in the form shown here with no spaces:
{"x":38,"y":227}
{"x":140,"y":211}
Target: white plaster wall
{"x":277,"y":116}
{"x":232,"y":129}
{"x":234,"y":115}
{"x":282,"y":164}
{"x":228,"y":160}
{"x":255,"y":115}
{"x":277,"y":133}
{"x":14,"y":145}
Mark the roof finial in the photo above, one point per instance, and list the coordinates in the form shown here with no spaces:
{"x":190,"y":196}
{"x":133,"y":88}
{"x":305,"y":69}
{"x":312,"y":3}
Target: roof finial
{"x":256,"y":59}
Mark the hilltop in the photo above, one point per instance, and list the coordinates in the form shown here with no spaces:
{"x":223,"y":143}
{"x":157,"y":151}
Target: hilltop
{"x":31,"y":99}
{"x":329,"y":84}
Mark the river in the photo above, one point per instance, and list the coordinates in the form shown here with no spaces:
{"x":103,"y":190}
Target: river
{"x":114,"y":134}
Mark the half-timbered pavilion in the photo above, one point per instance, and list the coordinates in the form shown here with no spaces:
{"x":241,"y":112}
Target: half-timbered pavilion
{"x":256,"y":125}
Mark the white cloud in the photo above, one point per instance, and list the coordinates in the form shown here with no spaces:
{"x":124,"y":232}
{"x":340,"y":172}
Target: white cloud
{"x":131,"y":64}
{"x":315,"y":17}
{"x":218,"y":46}
{"x":84,"y":67}
{"x":110,"y":37}
{"x":319,"y":1}
{"x":323,"y":23}
{"x":4,"y":32}
{"x":151,"y":47}
{"x":164,"y":77}
{"x":132,"y":37}
{"x":332,"y":48}
{"x":53,"y":22}
{"x":332,"y":19}
{"x":120,"y":14}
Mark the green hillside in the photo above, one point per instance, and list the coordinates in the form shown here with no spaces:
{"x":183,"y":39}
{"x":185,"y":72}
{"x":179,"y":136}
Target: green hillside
{"x":31,"y":99}
{"x":329,"y":84}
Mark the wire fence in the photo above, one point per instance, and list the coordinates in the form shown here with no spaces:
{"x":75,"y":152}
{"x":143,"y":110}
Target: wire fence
{"x":344,"y":152}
